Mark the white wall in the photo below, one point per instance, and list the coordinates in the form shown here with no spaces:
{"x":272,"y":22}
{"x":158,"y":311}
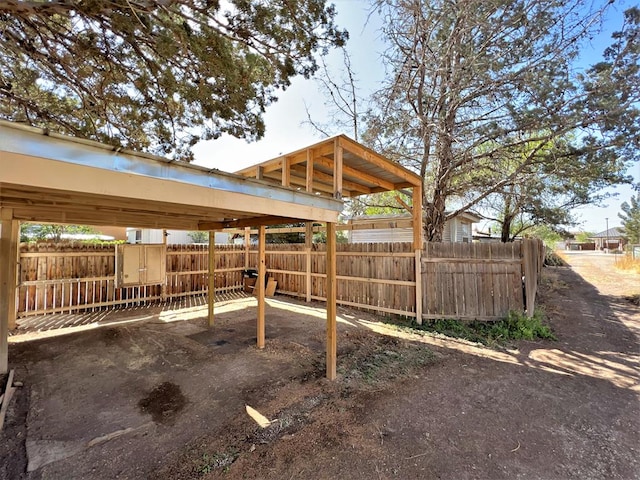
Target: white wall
{"x":454,"y":231}
{"x":181,"y":237}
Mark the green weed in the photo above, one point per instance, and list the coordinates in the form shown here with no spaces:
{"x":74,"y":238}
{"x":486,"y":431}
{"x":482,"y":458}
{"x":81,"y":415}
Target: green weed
{"x":217,"y":460}
{"x":516,"y":326}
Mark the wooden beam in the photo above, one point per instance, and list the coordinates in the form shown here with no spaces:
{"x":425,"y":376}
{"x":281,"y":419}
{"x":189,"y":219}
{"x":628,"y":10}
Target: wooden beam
{"x":309,"y":171}
{"x":328,"y":179}
{"x":260,"y":284}
{"x":378,"y":160}
{"x":331,"y":282}
{"x":82,"y":214}
{"x":259,"y":172}
{"x":324,"y":147}
{"x":352,"y":172}
{"x":212,"y":276}
{"x":301,"y":182}
{"x":337,"y":169}
{"x":247,"y":222}
{"x":286,"y":172}
{"x":129,"y":189}
{"x":403,"y":204}
{"x":44,"y":197}
{"x":9,"y":236}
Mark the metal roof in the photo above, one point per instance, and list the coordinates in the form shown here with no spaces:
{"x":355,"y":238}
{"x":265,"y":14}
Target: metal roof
{"x":613,"y":232}
{"x":48,"y":177}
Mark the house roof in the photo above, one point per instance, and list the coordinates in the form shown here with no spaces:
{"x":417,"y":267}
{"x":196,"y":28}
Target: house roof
{"x":470,"y":216}
{"x":313,"y":168}
{"x":612,"y":233}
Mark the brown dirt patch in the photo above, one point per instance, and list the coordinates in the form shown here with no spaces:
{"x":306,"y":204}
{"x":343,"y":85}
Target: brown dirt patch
{"x":404,"y":406}
{"x":164,"y":402}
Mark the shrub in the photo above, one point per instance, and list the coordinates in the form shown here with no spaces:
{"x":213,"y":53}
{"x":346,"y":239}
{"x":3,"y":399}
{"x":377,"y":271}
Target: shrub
{"x":516,"y":326}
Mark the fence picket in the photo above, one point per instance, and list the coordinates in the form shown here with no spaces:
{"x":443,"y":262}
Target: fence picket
{"x":468,"y":281}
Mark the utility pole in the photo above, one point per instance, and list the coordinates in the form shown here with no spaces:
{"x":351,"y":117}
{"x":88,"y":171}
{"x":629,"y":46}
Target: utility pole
{"x":606,"y":248}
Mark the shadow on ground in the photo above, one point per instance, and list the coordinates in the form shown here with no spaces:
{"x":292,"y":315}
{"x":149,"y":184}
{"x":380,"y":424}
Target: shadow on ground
{"x":404,"y":406}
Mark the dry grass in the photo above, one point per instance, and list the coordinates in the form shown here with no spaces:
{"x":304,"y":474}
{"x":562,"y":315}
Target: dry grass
{"x":626,"y":262}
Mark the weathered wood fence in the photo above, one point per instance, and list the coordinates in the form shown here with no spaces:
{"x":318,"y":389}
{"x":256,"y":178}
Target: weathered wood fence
{"x":55,"y":278}
{"x":480,"y":281}
{"x":376,"y":276}
{"x":466,"y":281}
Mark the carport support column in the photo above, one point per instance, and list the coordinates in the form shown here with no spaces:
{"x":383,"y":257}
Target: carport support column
{"x":211,"y":297}
{"x":9,"y":230}
{"x":260,"y":284}
{"x":332,"y":344}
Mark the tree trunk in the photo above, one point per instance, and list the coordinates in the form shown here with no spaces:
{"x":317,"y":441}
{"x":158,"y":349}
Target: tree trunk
{"x":505,"y":231}
{"x":435,"y":217}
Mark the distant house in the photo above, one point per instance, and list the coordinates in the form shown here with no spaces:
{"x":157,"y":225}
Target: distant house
{"x":115,"y":233}
{"x":174,"y":237}
{"x":485,"y":237}
{"x":397,"y":228}
{"x":611,"y":239}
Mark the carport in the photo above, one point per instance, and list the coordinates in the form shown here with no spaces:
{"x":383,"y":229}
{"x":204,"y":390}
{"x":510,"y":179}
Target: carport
{"x":45,"y":177}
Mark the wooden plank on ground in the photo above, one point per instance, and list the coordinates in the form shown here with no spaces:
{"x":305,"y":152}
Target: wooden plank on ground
{"x":8,"y":393}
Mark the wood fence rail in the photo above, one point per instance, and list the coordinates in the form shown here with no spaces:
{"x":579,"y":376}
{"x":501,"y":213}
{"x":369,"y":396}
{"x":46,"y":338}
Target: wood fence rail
{"x":466,"y":281}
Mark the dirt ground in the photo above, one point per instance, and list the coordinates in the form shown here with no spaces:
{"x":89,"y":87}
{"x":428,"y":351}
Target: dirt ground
{"x":166,"y":398}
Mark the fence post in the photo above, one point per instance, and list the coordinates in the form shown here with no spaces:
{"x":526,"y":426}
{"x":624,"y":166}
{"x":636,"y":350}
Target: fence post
{"x":530,"y":260}
{"x":247,"y":246}
{"x":308,"y":237}
{"x":212,"y":277}
{"x":418,"y":274}
{"x":163,"y":288}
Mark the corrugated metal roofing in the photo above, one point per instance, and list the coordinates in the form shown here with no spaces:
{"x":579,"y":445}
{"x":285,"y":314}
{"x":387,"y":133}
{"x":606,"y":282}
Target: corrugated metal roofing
{"x":612,"y":233}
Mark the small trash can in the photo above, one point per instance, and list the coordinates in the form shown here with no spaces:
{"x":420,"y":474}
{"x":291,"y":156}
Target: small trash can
{"x":249,"y":280}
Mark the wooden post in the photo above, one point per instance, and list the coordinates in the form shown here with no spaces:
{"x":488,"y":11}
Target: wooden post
{"x":247,"y":246}
{"x":417,"y":247}
{"x":212,"y":275}
{"x":309,"y":179}
{"x":9,"y":236}
{"x":163,"y":288}
{"x":418,"y":274}
{"x":529,"y":260}
{"x":286,"y":172}
{"x":332,"y":345}
{"x":337,"y":170}
{"x":308,"y":238}
{"x":262,"y":272}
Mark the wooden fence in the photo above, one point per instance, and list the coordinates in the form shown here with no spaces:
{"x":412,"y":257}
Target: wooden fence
{"x":56,"y":278}
{"x":376,"y":276}
{"x":475,"y":281}
{"x":466,"y":281}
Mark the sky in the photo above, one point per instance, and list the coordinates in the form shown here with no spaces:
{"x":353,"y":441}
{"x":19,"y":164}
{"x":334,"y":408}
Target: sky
{"x":287,"y":130}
